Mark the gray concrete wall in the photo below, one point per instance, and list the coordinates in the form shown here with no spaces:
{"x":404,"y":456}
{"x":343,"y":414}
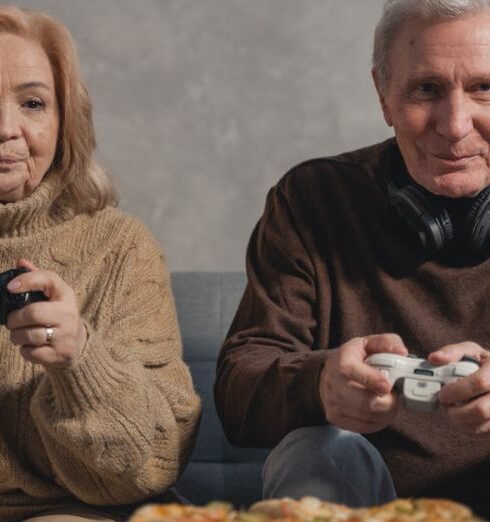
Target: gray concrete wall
{"x":201,"y":105}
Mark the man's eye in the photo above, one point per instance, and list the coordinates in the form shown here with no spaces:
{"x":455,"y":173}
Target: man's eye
{"x":426,"y":88}
{"x":34,"y":104}
{"x":485,"y":87}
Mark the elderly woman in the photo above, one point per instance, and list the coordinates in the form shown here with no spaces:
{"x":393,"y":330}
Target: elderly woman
{"x":97,"y":409}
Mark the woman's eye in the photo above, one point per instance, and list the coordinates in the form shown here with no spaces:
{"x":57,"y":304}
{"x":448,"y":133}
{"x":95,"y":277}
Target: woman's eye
{"x":34,"y":104}
{"x":485,"y":87}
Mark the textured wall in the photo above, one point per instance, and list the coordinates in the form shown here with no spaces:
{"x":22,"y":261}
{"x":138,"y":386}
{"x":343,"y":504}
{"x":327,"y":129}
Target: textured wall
{"x":201,"y":105}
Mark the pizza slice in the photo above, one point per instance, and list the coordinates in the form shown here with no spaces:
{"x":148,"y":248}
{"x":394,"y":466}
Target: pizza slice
{"x":423,"y":510}
{"x":304,"y":510}
{"x":212,"y":512}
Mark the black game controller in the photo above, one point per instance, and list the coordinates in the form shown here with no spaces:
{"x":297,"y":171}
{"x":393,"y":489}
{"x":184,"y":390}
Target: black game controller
{"x":9,"y":301}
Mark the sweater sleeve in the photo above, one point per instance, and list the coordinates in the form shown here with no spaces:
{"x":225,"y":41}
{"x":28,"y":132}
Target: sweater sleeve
{"x":119,"y":426}
{"x":269,"y":365}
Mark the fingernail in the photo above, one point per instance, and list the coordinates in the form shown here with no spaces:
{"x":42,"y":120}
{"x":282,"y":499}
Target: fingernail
{"x":13,"y":285}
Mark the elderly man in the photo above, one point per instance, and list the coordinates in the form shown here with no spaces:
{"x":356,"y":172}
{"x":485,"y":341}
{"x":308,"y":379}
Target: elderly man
{"x":381,"y":250}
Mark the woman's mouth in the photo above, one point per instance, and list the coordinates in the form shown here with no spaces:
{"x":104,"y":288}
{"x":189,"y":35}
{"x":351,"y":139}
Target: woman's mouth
{"x":7,"y":163}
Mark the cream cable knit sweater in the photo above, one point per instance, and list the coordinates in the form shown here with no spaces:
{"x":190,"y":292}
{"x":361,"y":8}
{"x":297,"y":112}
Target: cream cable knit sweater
{"x":119,"y":426}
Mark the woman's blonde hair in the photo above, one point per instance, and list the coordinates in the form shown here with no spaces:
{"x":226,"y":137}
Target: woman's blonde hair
{"x":86,"y":187}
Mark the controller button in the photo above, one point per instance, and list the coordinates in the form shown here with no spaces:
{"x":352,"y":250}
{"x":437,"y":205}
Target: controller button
{"x":421,"y":389}
{"x":425,"y":389}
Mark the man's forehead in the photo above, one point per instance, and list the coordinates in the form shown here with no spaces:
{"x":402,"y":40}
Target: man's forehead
{"x":431,"y":46}
{"x":468,"y":31}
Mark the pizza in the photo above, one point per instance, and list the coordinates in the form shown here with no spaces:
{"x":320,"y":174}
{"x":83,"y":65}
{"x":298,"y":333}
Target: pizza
{"x":309,"y":509}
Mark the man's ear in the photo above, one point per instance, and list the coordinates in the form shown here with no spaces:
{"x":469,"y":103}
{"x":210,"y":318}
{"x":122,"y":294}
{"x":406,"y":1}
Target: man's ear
{"x":382,"y":99}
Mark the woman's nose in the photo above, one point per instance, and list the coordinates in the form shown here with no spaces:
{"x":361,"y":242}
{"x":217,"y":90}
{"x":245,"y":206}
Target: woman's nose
{"x":9,"y":123}
{"x":454,"y":118}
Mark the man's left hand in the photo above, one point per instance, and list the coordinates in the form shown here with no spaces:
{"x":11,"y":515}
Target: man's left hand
{"x":467,"y":401}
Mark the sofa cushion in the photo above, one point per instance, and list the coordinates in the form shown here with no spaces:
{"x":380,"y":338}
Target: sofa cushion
{"x":206,"y":303}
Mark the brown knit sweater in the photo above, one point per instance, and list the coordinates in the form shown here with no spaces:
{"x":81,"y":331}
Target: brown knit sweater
{"x":118,"y":427}
{"x":326,"y":264}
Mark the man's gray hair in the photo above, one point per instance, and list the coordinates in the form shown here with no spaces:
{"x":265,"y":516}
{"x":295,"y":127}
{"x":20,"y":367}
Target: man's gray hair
{"x":395,"y":12}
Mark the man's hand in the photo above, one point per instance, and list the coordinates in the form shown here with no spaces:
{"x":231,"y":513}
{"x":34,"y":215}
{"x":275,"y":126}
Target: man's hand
{"x":356,"y":396}
{"x":467,"y":401}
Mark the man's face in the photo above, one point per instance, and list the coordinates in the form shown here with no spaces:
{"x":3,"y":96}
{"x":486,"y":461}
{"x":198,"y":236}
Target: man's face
{"x":438,"y":101}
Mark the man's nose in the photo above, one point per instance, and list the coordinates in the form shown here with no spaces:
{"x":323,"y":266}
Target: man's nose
{"x":9,"y":123}
{"x":454,"y":118}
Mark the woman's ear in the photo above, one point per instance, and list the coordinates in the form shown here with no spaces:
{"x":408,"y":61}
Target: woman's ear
{"x":382,"y":98}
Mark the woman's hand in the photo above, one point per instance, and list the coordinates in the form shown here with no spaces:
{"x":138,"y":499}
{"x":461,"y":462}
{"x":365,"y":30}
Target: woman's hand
{"x":467,"y":401}
{"x":50,"y":332}
{"x":356,"y":396}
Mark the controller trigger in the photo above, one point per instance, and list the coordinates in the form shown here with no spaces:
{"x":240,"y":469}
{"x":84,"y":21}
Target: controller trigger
{"x":469,"y":358}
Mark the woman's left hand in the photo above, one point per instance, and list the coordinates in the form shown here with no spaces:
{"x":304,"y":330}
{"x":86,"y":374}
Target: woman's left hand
{"x":50,"y":332}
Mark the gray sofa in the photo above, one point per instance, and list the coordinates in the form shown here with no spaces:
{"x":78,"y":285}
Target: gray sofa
{"x":206,"y":303}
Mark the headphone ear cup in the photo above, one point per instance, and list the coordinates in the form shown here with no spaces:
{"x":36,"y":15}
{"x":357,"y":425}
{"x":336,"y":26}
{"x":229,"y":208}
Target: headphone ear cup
{"x":429,"y":221}
{"x":477,"y":222}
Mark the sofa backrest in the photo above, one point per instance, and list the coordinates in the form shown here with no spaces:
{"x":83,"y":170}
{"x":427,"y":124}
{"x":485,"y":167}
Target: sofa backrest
{"x":206,"y":303}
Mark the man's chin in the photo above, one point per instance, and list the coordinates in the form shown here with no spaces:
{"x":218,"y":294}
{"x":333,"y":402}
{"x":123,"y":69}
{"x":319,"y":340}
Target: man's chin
{"x":459,"y":185}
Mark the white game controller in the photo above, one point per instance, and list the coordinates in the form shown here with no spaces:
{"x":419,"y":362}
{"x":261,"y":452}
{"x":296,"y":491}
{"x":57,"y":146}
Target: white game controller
{"x":422,"y":381}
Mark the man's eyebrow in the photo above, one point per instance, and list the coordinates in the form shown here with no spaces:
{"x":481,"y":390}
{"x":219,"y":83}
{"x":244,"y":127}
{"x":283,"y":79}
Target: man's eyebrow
{"x":435,"y":78}
{"x":424,"y":77}
{"x":481,"y":78}
{"x":31,"y":85}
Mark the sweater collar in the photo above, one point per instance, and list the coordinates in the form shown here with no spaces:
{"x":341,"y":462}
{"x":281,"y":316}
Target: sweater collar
{"x":31,"y":214}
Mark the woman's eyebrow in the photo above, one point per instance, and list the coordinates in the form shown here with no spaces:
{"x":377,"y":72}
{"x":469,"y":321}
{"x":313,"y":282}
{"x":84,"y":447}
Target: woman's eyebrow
{"x":30,"y":85}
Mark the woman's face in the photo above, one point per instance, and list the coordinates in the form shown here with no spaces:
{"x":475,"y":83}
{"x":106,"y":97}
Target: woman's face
{"x":29,"y":117}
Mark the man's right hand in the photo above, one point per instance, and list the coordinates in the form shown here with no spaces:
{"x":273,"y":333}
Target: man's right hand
{"x":356,"y":396}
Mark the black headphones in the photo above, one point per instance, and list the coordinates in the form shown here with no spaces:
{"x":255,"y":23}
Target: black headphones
{"x":436,"y":221}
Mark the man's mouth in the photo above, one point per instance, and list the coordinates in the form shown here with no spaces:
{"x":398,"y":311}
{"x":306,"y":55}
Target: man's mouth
{"x":456,"y":160}
{"x":455,"y":157}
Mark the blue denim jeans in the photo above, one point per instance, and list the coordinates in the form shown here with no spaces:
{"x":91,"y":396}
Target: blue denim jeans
{"x":328,"y":463}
